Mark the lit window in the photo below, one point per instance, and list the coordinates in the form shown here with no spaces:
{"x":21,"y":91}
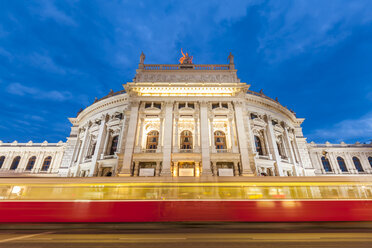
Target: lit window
{"x":152,"y":140}
{"x":186,"y":140}
{"x":220,"y":140}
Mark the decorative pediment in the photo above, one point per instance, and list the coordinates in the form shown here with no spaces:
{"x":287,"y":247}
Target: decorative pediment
{"x":259,"y":122}
{"x":278,"y":128}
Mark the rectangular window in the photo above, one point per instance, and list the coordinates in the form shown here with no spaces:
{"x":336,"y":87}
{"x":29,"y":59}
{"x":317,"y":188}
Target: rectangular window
{"x":181,"y":105}
{"x":157,"y":105}
{"x":148,"y":105}
{"x":215,"y":105}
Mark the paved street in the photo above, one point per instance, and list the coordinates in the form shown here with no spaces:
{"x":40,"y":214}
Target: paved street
{"x":180,"y":235}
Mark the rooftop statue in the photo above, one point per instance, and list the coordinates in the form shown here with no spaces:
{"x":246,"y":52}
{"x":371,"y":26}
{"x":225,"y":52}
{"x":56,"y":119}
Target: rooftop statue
{"x":142,"y":58}
{"x":185,"y":59}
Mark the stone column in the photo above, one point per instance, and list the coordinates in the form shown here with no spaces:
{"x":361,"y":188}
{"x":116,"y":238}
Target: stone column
{"x":129,"y":144}
{"x":350,"y":164}
{"x":157,"y":169}
{"x":212,"y":144}
{"x":196,"y":135}
{"x":160,"y":141}
{"x":197,"y":169}
{"x":290,"y":149}
{"x":206,"y":161}
{"x":23,"y":162}
{"x":167,"y":141}
{"x":267,"y":149}
{"x":214,"y":168}
{"x":334,"y":164}
{"x":232,"y":136}
{"x":175,"y":169}
{"x":273,"y":146}
{"x":140,"y":135}
{"x":136,"y":168}
{"x":105,"y":144}
{"x":242,"y":139}
{"x":99,"y":144}
{"x":122,"y":134}
{"x":176,"y":136}
{"x":319,"y":158}
{"x":236,"y":168}
{"x":83,"y":146}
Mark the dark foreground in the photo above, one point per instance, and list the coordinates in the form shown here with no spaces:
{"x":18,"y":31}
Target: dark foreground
{"x":355,"y":234}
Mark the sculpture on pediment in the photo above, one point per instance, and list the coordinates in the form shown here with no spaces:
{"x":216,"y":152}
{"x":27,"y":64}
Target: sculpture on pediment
{"x":185,"y":59}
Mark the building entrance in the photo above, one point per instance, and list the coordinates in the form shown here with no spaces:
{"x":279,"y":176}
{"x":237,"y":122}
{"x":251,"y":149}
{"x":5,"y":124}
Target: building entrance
{"x":186,"y":169}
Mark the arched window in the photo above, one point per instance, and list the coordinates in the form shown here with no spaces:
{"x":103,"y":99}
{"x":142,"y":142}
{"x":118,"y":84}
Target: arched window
{"x":357,"y":164}
{"x":220,"y":140}
{"x":326,"y":164}
{"x":46,"y":163}
{"x":341,"y":163}
{"x":369,"y":160}
{"x":258,"y":143}
{"x":31,"y":163}
{"x":114,"y":144}
{"x":2,"y":159}
{"x":92,"y":148}
{"x":152,"y":140}
{"x":186,"y":140}
{"x":15,"y":163}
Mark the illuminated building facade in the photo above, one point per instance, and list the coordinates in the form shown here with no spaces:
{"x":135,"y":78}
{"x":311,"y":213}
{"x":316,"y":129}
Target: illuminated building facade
{"x":196,"y":120}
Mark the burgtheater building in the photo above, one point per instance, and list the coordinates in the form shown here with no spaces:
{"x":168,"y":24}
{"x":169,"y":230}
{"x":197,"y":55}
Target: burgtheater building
{"x":176,"y":120}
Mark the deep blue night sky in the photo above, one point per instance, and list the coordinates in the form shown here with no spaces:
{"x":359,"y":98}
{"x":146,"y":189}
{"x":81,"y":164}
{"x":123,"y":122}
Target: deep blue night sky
{"x":57,"y":56}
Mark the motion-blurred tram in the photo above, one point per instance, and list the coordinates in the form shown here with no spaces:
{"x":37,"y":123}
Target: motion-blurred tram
{"x":253,"y":200}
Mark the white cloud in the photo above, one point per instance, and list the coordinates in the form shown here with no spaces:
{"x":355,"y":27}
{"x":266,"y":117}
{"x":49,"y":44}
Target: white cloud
{"x":350,"y":129}
{"x":293,"y":27}
{"x":47,"y":9}
{"x":21,"y":90}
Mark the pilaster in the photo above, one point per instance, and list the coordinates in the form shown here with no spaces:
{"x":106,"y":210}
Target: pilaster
{"x":243,"y":142}
{"x":206,"y":161}
{"x":167,"y":141}
{"x":129,"y":144}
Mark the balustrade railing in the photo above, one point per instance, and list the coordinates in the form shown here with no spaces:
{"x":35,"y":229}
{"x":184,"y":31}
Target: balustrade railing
{"x":148,"y":150}
{"x":187,"y":66}
{"x":186,"y":150}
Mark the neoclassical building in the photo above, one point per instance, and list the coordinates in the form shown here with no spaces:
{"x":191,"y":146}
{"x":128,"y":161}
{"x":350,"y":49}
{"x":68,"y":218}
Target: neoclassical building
{"x":186,"y":120}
